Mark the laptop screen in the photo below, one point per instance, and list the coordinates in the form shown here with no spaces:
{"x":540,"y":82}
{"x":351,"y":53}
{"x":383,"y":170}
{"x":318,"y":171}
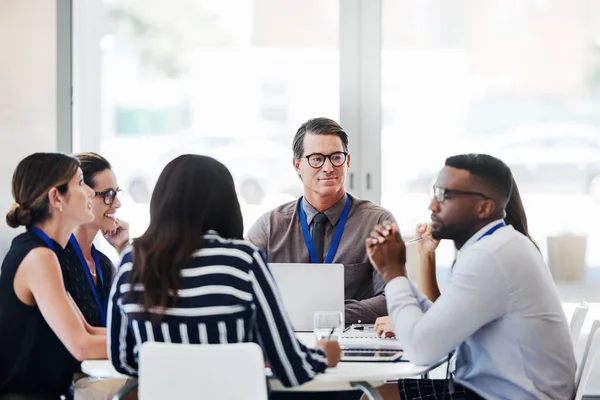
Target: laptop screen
{"x":308,"y":288}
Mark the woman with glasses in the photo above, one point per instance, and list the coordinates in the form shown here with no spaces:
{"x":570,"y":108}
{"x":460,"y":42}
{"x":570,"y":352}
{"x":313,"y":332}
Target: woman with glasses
{"x":87,"y":272}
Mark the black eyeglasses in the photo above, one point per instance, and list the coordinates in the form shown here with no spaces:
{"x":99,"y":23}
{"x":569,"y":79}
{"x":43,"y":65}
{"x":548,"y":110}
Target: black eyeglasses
{"x":109,"y":195}
{"x":337,"y":159}
{"x":441,"y":194}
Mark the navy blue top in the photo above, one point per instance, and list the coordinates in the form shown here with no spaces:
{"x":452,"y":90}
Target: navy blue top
{"x":226,"y":295}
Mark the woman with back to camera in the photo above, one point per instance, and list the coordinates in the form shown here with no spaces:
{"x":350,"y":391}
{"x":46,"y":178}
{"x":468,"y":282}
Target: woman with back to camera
{"x":190,"y":278}
{"x":42,"y":328}
{"x":87,"y":272}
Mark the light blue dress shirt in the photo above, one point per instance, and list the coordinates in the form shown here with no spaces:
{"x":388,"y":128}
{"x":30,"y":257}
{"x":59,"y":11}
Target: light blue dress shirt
{"x":501,"y":313}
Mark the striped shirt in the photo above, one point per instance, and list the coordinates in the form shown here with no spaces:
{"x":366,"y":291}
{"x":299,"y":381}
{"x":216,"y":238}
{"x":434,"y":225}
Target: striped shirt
{"x":226,"y":295}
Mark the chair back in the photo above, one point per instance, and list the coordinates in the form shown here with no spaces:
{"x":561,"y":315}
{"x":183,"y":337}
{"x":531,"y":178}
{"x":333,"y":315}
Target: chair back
{"x":587,"y":361}
{"x":185,"y":371}
{"x":577,"y":321}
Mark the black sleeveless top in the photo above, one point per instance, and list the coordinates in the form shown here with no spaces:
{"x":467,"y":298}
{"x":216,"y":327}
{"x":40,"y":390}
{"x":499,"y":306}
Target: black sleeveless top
{"x":77,"y":284}
{"x":33,"y":361}
{"x":78,"y":287}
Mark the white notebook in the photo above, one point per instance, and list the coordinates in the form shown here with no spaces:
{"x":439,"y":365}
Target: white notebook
{"x":361,"y":343}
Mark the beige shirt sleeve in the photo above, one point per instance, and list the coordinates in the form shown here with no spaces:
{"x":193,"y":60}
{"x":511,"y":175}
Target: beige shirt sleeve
{"x":279,"y":234}
{"x":368,"y":310}
{"x":258,"y":234}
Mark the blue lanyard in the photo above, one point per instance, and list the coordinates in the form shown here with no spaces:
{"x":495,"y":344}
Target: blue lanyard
{"x":335,"y":242}
{"x":42,"y":235}
{"x":101,"y":306}
{"x":487,"y":233}
{"x":492,"y":230}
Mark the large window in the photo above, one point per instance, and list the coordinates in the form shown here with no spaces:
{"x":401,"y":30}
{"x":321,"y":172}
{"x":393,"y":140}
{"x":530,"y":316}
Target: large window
{"x":518,"y":80}
{"x":413,"y":81}
{"x":229,"y":79}
{"x":28,"y":100}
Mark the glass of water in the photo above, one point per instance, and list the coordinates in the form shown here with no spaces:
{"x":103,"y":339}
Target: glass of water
{"x":329,"y":325}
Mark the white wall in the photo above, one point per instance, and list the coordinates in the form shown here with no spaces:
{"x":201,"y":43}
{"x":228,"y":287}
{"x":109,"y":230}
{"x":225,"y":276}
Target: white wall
{"x":27,"y":90}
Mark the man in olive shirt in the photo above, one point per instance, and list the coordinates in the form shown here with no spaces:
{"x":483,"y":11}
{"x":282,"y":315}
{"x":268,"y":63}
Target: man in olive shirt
{"x":326,"y":224}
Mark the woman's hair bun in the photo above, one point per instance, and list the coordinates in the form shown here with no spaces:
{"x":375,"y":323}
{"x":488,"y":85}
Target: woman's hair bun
{"x":18,"y":216}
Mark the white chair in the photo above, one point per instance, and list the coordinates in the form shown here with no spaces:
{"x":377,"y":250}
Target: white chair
{"x":577,"y":321}
{"x":183,"y":371}
{"x":587,"y":361}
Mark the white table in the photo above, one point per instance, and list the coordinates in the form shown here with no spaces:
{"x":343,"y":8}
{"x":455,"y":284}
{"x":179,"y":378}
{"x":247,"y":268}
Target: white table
{"x":365,"y":376}
{"x":360,"y":375}
{"x":100,"y":369}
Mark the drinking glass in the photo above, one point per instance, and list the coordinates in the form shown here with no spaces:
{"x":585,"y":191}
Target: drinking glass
{"x":329,"y":325}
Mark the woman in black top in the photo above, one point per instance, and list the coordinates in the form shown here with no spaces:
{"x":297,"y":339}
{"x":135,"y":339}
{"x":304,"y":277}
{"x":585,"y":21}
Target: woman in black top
{"x":87,"y":272}
{"x":42,"y":329}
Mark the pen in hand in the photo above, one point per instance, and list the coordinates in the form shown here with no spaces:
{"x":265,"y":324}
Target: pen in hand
{"x":389,"y":229}
{"x":413,"y":240}
{"x":331,"y":333}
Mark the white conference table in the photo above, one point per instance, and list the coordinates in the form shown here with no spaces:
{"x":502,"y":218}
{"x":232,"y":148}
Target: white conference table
{"x":365,"y":376}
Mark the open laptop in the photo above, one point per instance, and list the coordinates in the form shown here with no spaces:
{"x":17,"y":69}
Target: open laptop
{"x":308,"y":288}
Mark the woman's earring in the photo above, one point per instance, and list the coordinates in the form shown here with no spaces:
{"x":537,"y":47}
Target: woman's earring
{"x":60,"y":208}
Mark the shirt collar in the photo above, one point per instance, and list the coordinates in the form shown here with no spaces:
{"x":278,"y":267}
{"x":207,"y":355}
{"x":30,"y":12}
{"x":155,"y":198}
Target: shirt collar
{"x":473,"y":239}
{"x":211,"y":232}
{"x":333,"y":213}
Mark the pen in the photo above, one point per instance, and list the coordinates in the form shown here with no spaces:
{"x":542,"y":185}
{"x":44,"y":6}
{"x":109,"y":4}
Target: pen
{"x":413,"y":240}
{"x":331,"y":333}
